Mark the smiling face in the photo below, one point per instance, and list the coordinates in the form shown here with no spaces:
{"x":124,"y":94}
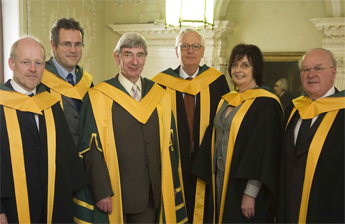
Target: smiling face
{"x":131,"y":62}
{"x":28,"y":65}
{"x":68,"y":58}
{"x":190,"y":59}
{"x":315,"y":84}
{"x":242,"y":74}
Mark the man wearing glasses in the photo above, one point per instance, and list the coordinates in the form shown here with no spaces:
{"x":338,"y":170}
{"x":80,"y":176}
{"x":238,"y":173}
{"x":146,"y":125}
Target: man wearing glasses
{"x":311,"y":185}
{"x":63,"y":76}
{"x":195,"y":91}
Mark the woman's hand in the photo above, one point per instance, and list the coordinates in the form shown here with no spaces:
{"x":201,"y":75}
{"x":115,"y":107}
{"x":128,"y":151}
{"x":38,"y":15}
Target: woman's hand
{"x":248,"y":206}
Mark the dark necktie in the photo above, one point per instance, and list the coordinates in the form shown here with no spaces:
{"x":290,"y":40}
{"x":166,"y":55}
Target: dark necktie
{"x":31,"y":115}
{"x":70,"y":80}
{"x":189,"y":103}
{"x":304,"y":128}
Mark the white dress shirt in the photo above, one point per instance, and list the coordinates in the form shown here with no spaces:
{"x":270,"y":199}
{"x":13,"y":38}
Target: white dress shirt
{"x":298,"y":124}
{"x":128,"y":85}
{"x":19,"y":89}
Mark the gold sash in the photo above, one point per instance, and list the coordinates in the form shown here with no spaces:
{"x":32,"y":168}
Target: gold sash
{"x":13,"y":101}
{"x":102,"y":97}
{"x":200,"y":84}
{"x":60,"y":87}
{"x":309,"y":109}
{"x":235,"y":99}
{"x":192,"y":87}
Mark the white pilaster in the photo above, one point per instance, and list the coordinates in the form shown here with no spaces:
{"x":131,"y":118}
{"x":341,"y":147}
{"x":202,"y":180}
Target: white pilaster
{"x":334,"y":40}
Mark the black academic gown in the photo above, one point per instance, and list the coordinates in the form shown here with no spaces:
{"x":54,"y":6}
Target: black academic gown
{"x":326,"y":202}
{"x":217,"y":88}
{"x":255,"y":158}
{"x":70,"y":175}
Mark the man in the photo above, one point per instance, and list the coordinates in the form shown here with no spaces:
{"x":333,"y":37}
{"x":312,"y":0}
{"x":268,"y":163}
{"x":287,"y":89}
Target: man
{"x":282,"y":91}
{"x":194,"y":104}
{"x":311,"y":188}
{"x":63,"y":76}
{"x":129,"y":148}
{"x":40,"y":165}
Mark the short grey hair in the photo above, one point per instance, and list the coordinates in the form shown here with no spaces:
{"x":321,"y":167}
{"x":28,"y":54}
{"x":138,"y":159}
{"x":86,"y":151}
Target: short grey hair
{"x":179,"y":36}
{"x":130,"y":40}
{"x":320,"y":49}
{"x":13,"y":52}
{"x":284,"y":84}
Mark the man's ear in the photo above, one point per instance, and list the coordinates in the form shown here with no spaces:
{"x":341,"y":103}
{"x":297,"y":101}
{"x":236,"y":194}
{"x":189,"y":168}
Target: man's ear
{"x":11,"y":64}
{"x":176,"y":49}
{"x":117,"y":58}
{"x":53,"y":46}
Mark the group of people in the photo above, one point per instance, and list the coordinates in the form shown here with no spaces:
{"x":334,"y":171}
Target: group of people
{"x":179,"y":148}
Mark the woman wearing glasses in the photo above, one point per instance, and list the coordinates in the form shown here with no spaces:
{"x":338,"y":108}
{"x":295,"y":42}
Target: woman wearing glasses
{"x":247,"y":133}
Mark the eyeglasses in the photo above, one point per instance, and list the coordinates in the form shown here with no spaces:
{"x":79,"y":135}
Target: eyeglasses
{"x":317,"y":69}
{"x":185,"y":47}
{"x":68,"y":45}
{"x":243,"y":65}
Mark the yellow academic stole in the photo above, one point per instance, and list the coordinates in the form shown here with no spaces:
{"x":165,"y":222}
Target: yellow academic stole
{"x":309,"y":109}
{"x":235,"y":99}
{"x":102,"y":97}
{"x":59,"y":87}
{"x":200,"y":84}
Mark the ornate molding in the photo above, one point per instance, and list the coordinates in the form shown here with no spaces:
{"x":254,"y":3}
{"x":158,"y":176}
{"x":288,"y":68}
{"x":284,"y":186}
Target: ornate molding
{"x":330,"y":26}
{"x":334,"y":40}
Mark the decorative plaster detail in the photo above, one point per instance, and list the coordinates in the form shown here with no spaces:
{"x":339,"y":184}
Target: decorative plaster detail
{"x":221,"y":6}
{"x":334,"y":40}
{"x":28,"y":12}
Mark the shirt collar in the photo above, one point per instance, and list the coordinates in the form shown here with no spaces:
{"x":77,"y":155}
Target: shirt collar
{"x":128,"y":84}
{"x":63,"y":72}
{"x":184,"y":75}
{"x":330,"y":92}
{"x":19,"y":89}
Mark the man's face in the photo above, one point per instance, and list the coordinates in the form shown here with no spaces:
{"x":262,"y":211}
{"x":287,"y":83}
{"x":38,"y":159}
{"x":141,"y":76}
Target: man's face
{"x":190,"y":57}
{"x":68,"y":56}
{"x":131,"y":62}
{"x":28,"y":65}
{"x":315,"y":84}
{"x":277,"y":88}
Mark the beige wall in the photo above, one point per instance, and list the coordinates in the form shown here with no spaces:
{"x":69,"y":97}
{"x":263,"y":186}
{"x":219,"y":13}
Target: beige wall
{"x":90,"y":14}
{"x":274,"y":26}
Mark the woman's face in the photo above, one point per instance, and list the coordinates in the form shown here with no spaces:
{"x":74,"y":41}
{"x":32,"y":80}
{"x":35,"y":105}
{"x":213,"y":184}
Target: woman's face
{"x":242,"y":73}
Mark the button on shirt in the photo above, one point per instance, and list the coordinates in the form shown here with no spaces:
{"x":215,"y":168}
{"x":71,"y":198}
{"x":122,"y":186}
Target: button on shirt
{"x":19,"y":89}
{"x":128,"y":85}
{"x":63,"y":72}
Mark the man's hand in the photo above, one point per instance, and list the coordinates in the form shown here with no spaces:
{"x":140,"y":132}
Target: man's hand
{"x":248,"y":206}
{"x":3,"y":218}
{"x":105,"y":205}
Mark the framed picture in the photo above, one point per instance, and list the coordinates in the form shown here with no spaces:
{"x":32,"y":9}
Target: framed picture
{"x":283,"y":65}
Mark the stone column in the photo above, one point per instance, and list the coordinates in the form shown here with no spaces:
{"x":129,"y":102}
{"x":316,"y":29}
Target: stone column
{"x":334,"y":40}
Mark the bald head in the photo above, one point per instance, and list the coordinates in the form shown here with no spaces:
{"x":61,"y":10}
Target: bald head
{"x":27,"y":62}
{"x":319,"y":79}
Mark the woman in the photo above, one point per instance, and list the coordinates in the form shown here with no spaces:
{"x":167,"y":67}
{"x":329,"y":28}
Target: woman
{"x":248,"y":129}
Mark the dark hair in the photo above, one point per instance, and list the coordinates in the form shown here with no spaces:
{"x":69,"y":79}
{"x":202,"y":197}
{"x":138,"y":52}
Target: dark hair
{"x":67,"y":24}
{"x":255,"y":58}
